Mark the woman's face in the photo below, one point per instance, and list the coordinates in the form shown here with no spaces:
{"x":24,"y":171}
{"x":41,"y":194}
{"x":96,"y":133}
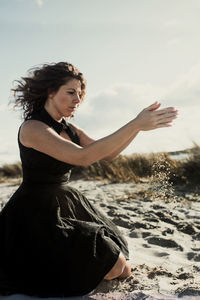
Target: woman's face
{"x":66,"y":100}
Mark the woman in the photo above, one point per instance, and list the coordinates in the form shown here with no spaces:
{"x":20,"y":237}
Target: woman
{"x":53,"y":241}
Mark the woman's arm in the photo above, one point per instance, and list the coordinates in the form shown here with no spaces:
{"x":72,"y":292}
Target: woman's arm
{"x":37,"y":135}
{"x":120,"y":149}
{"x":86,"y":140}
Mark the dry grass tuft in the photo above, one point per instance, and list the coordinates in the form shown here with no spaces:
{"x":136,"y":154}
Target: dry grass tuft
{"x":118,"y":170}
{"x":10,"y":171}
{"x":124,"y":168}
{"x":190,"y":168}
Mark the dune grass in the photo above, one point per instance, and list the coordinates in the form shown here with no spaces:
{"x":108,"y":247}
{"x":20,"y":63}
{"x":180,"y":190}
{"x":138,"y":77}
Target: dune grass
{"x":136,"y":167}
{"x":117,"y":170}
{"x":10,"y":171}
{"x":132,"y":168}
{"x":190,"y":169}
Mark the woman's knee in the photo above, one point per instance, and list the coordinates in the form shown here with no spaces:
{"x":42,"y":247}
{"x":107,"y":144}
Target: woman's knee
{"x":117,"y":269}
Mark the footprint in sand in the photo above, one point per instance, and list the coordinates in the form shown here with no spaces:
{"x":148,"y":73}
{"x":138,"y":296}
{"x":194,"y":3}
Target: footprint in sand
{"x":186,"y":228}
{"x":161,"y":254}
{"x":139,"y":234}
{"x":185,"y":276}
{"x":151,"y":219}
{"x":146,"y":246}
{"x":167,"y":231}
{"x":193,"y":256}
{"x":193,"y":291}
{"x":143,"y":225}
{"x":196,"y":236}
{"x":122,"y":223}
{"x":156,"y":206}
{"x":195,"y":249}
{"x":131,"y":208}
{"x":165,"y":218}
{"x":164,"y":243}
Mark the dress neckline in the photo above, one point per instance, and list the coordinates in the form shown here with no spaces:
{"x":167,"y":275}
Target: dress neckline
{"x":59,"y":126}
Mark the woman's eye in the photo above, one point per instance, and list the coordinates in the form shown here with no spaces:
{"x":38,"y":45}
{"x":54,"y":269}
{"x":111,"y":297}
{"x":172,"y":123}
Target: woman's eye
{"x":71,"y":93}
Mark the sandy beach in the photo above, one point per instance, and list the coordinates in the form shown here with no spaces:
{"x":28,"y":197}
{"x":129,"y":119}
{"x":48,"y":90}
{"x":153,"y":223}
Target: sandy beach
{"x":163,"y":234}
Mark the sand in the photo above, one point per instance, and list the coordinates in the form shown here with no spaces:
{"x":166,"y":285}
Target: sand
{"x":163,"y":234}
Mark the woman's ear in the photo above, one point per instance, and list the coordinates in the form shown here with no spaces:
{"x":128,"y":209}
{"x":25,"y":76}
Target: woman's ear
{"x":50,"y":94}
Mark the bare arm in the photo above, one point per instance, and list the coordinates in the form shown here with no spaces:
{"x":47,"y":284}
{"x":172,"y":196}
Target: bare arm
{"x":86,"y":140}
{"x":119,"y":150}
{"x":41,"y":137}
{"x":122,"y":147}
{"x":37,"y":135}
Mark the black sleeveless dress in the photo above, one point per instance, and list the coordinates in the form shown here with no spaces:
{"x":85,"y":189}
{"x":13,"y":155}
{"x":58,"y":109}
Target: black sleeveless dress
{"x":53,"y":241}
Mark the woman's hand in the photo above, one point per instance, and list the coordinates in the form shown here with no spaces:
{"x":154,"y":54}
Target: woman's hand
{"x":151,"y":118}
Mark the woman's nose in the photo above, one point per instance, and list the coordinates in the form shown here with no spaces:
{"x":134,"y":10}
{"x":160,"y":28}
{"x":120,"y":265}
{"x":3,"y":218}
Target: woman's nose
{"x":77,"y":98}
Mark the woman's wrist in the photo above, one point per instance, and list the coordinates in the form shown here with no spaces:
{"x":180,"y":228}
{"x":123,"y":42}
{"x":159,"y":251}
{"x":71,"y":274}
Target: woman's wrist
{"x":137,"y":126}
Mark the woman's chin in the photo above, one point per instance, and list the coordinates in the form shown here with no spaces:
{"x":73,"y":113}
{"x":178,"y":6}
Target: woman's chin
{"x":69,"y":114}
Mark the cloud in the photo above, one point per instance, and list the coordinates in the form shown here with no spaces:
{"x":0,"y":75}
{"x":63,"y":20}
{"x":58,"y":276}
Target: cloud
{"x":173,"y":30}
{"x":172,"y":23}
{"x":118,"y":104}
{"x":8,"y":151}
{"x":107,"y":111}
{"x":39,"y":3}
{"x":4,"y":107}
{"x":174,"y":42}
{"x":185,"y":91}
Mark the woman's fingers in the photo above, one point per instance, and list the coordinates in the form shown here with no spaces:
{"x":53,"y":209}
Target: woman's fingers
{"x":163,"y":125}
{"x":151,"y":118}
{"x":153,"y":106}
{"x":166,"y":110}
{"x":167,"y":116}
{"x":164,"y":119}
{"x":165,"y":122}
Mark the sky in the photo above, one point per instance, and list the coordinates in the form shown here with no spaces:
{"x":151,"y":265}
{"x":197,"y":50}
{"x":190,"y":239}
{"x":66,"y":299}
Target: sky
{"x":131,"y":53}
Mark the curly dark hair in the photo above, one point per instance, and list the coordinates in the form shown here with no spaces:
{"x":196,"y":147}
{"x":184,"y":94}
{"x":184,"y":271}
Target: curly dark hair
{"x":32,"y":92}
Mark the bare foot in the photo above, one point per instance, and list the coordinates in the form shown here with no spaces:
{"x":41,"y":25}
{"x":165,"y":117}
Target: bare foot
{"x":127,"y":271}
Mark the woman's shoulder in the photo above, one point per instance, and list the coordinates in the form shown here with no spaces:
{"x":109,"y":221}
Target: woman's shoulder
{"x":28,"y":129}
{"x":31,"y":125}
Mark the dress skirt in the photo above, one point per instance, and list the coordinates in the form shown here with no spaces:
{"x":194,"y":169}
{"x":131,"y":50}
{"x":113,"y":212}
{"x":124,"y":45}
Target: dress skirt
{"x":54,"y":242}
